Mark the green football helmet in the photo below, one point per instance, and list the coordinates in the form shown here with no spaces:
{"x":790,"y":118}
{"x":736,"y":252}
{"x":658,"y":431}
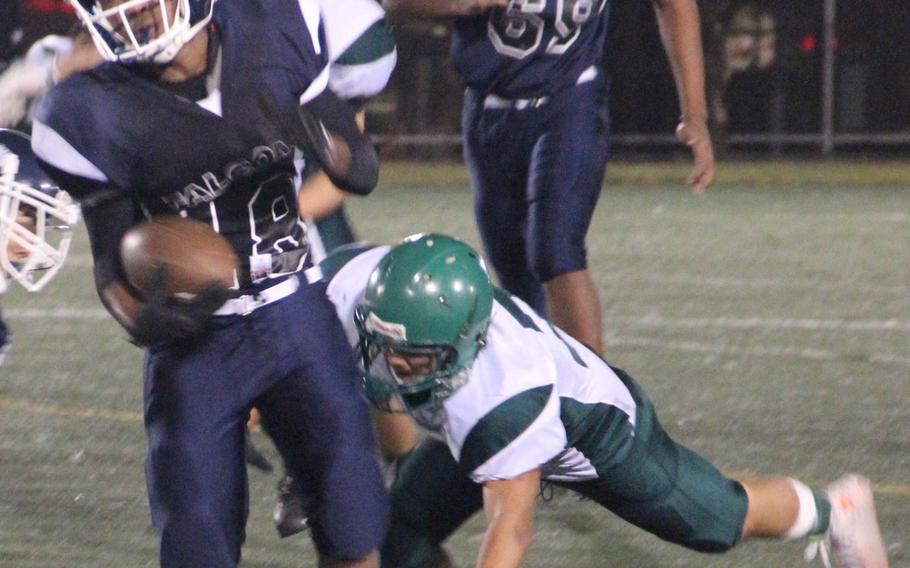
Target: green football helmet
{"x":429,"y":296}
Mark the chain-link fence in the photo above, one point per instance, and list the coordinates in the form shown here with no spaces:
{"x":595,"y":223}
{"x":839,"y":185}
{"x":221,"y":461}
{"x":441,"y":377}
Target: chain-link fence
{"x":822,"y":75}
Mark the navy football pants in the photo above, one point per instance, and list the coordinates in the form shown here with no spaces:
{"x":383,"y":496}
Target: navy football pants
{"x":291,"y":360}
{"x":536,"y":174}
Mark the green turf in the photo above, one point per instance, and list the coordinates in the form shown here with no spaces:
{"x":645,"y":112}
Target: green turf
{"x":769,"y":322}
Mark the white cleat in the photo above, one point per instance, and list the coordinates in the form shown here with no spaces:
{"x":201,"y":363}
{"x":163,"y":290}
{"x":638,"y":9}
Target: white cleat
{"x":853,"y":533}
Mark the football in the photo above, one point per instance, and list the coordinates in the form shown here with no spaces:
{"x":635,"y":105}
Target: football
{"x":194,"y":254}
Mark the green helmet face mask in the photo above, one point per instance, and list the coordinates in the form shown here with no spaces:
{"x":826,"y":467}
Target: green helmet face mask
{"x":430,"y":296}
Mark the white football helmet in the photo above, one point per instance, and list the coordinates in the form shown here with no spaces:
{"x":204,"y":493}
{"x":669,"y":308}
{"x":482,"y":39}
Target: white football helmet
{"x":36,"y":217}
{"x":148,"y":31}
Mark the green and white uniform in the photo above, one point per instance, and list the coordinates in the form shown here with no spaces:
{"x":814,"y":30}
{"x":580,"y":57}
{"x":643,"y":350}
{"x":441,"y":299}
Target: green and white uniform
{"x":362,"y":56}
{"x":536,"y":398}
{"x":362,"y":51}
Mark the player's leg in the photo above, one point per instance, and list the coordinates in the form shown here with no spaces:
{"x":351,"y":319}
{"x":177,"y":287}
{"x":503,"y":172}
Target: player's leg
{"x":195,"y":420}
{"x":496,"y":155}
{"x":676,"y":494}
{"x":431,"y":498}
{"x":335,"y":230}
{"x":668,"y":490}
{"x":574,"y":306}
{"x":4,"y":336}
{"x":567,"y":172}
{"x":320,"y":424}
{"x":396,"y":434}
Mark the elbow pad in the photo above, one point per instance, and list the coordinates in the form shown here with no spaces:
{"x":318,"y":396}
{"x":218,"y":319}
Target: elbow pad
{"x":347,"y":155}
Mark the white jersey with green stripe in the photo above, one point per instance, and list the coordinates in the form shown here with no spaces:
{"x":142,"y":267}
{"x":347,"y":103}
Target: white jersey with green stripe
{"x":535,"y":397}
{"x":345,"y":20}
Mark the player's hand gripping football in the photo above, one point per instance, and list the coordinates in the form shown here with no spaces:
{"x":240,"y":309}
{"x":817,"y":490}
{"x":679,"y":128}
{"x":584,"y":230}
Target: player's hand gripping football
{"x":693,"y":132}
{"x":163,"y":319}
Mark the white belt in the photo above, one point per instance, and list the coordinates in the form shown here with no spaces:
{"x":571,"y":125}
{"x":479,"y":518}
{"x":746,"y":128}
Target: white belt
{"x":247,"y":303}
{"x":495,"y":101}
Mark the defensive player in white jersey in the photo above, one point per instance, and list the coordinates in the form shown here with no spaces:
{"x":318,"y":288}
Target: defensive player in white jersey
{"x":510,"y":400}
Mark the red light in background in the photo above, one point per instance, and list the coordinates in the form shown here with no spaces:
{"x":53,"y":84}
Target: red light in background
{"x":48,"y":7}
{"x":808,"y":43}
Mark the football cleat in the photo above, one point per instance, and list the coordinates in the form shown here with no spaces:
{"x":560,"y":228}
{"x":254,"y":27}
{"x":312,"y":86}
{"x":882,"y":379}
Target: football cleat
{"x":254,"y":457}
{"x":290,"y":515}
{"x":853,"y":533}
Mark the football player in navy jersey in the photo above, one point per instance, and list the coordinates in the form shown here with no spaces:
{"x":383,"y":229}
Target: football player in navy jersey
{"x":205,"y":109}
{"x":36,"y":222}
{"x":535,"y":127}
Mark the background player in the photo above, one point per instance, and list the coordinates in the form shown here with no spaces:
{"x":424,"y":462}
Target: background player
{"x":362,"y":56}
{"x":535,"y":127}
{"x":194,"y":116}
{"x":510,"y":400}
{"x":36,"y":221}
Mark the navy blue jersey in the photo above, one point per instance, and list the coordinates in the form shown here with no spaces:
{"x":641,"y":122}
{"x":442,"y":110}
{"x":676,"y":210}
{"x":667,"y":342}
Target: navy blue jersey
{"x":530,"y":48}
{"x":4,"y":335}
{"x":217,"y":157}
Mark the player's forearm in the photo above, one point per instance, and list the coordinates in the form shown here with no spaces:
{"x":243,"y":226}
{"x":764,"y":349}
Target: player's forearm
{"x":318,"y":197}
{"x":506,"y":542}
{"x":121,"y":304}
{"x":680,"y":32}
{"x":347,"y":155}
{"x":509,"y":507}
{"x":83,"y":56}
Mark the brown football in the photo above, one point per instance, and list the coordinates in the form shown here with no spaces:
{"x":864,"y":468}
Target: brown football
{"x":194,"y":254}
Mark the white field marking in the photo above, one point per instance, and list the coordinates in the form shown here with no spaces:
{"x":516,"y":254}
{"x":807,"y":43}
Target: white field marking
{"x":85,"y":261}
{"x":802,"y":353}
{"x":752,"y":283}
{"x":765,"y":323}
{"x":8,"y":404}
{"x":80,"y":260}
{"x":889,"y":359}
{"x":56,"y":313}
{"x":642,"y":321}
{"x":649,"y":321}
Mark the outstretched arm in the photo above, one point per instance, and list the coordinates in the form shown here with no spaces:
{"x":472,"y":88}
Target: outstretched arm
{"x":680,"y":32}
{"x":509,"y":508}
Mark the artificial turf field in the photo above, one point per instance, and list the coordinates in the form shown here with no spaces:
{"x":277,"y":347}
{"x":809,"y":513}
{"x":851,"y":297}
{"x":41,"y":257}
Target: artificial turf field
{"x":769,"y":320}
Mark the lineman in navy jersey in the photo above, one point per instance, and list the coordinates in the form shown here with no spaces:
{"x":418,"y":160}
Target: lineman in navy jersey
{"x":204,"y":115}
{"x":36,"y":222}
{"x":509,"y":400}
{"x":536,"y":128}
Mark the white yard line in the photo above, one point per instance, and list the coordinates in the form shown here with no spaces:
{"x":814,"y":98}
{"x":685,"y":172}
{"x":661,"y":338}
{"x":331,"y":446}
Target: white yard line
{"x":759,"y":351}
{"x":55,"y":313}
{"x":763,"y":323}
{"x":751,"y":283}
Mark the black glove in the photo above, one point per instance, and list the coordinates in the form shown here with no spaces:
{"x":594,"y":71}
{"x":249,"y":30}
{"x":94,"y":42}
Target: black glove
{"x":327,"y":127}
{"x":163,"y":319}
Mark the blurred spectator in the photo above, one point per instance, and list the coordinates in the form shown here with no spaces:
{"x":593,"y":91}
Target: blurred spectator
{"x":10,"y":31}
{"x":44,"y":17}
{"x":748,"y":82}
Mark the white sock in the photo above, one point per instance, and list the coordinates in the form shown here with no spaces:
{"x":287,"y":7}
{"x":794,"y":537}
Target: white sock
{"x":807,"y":516}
